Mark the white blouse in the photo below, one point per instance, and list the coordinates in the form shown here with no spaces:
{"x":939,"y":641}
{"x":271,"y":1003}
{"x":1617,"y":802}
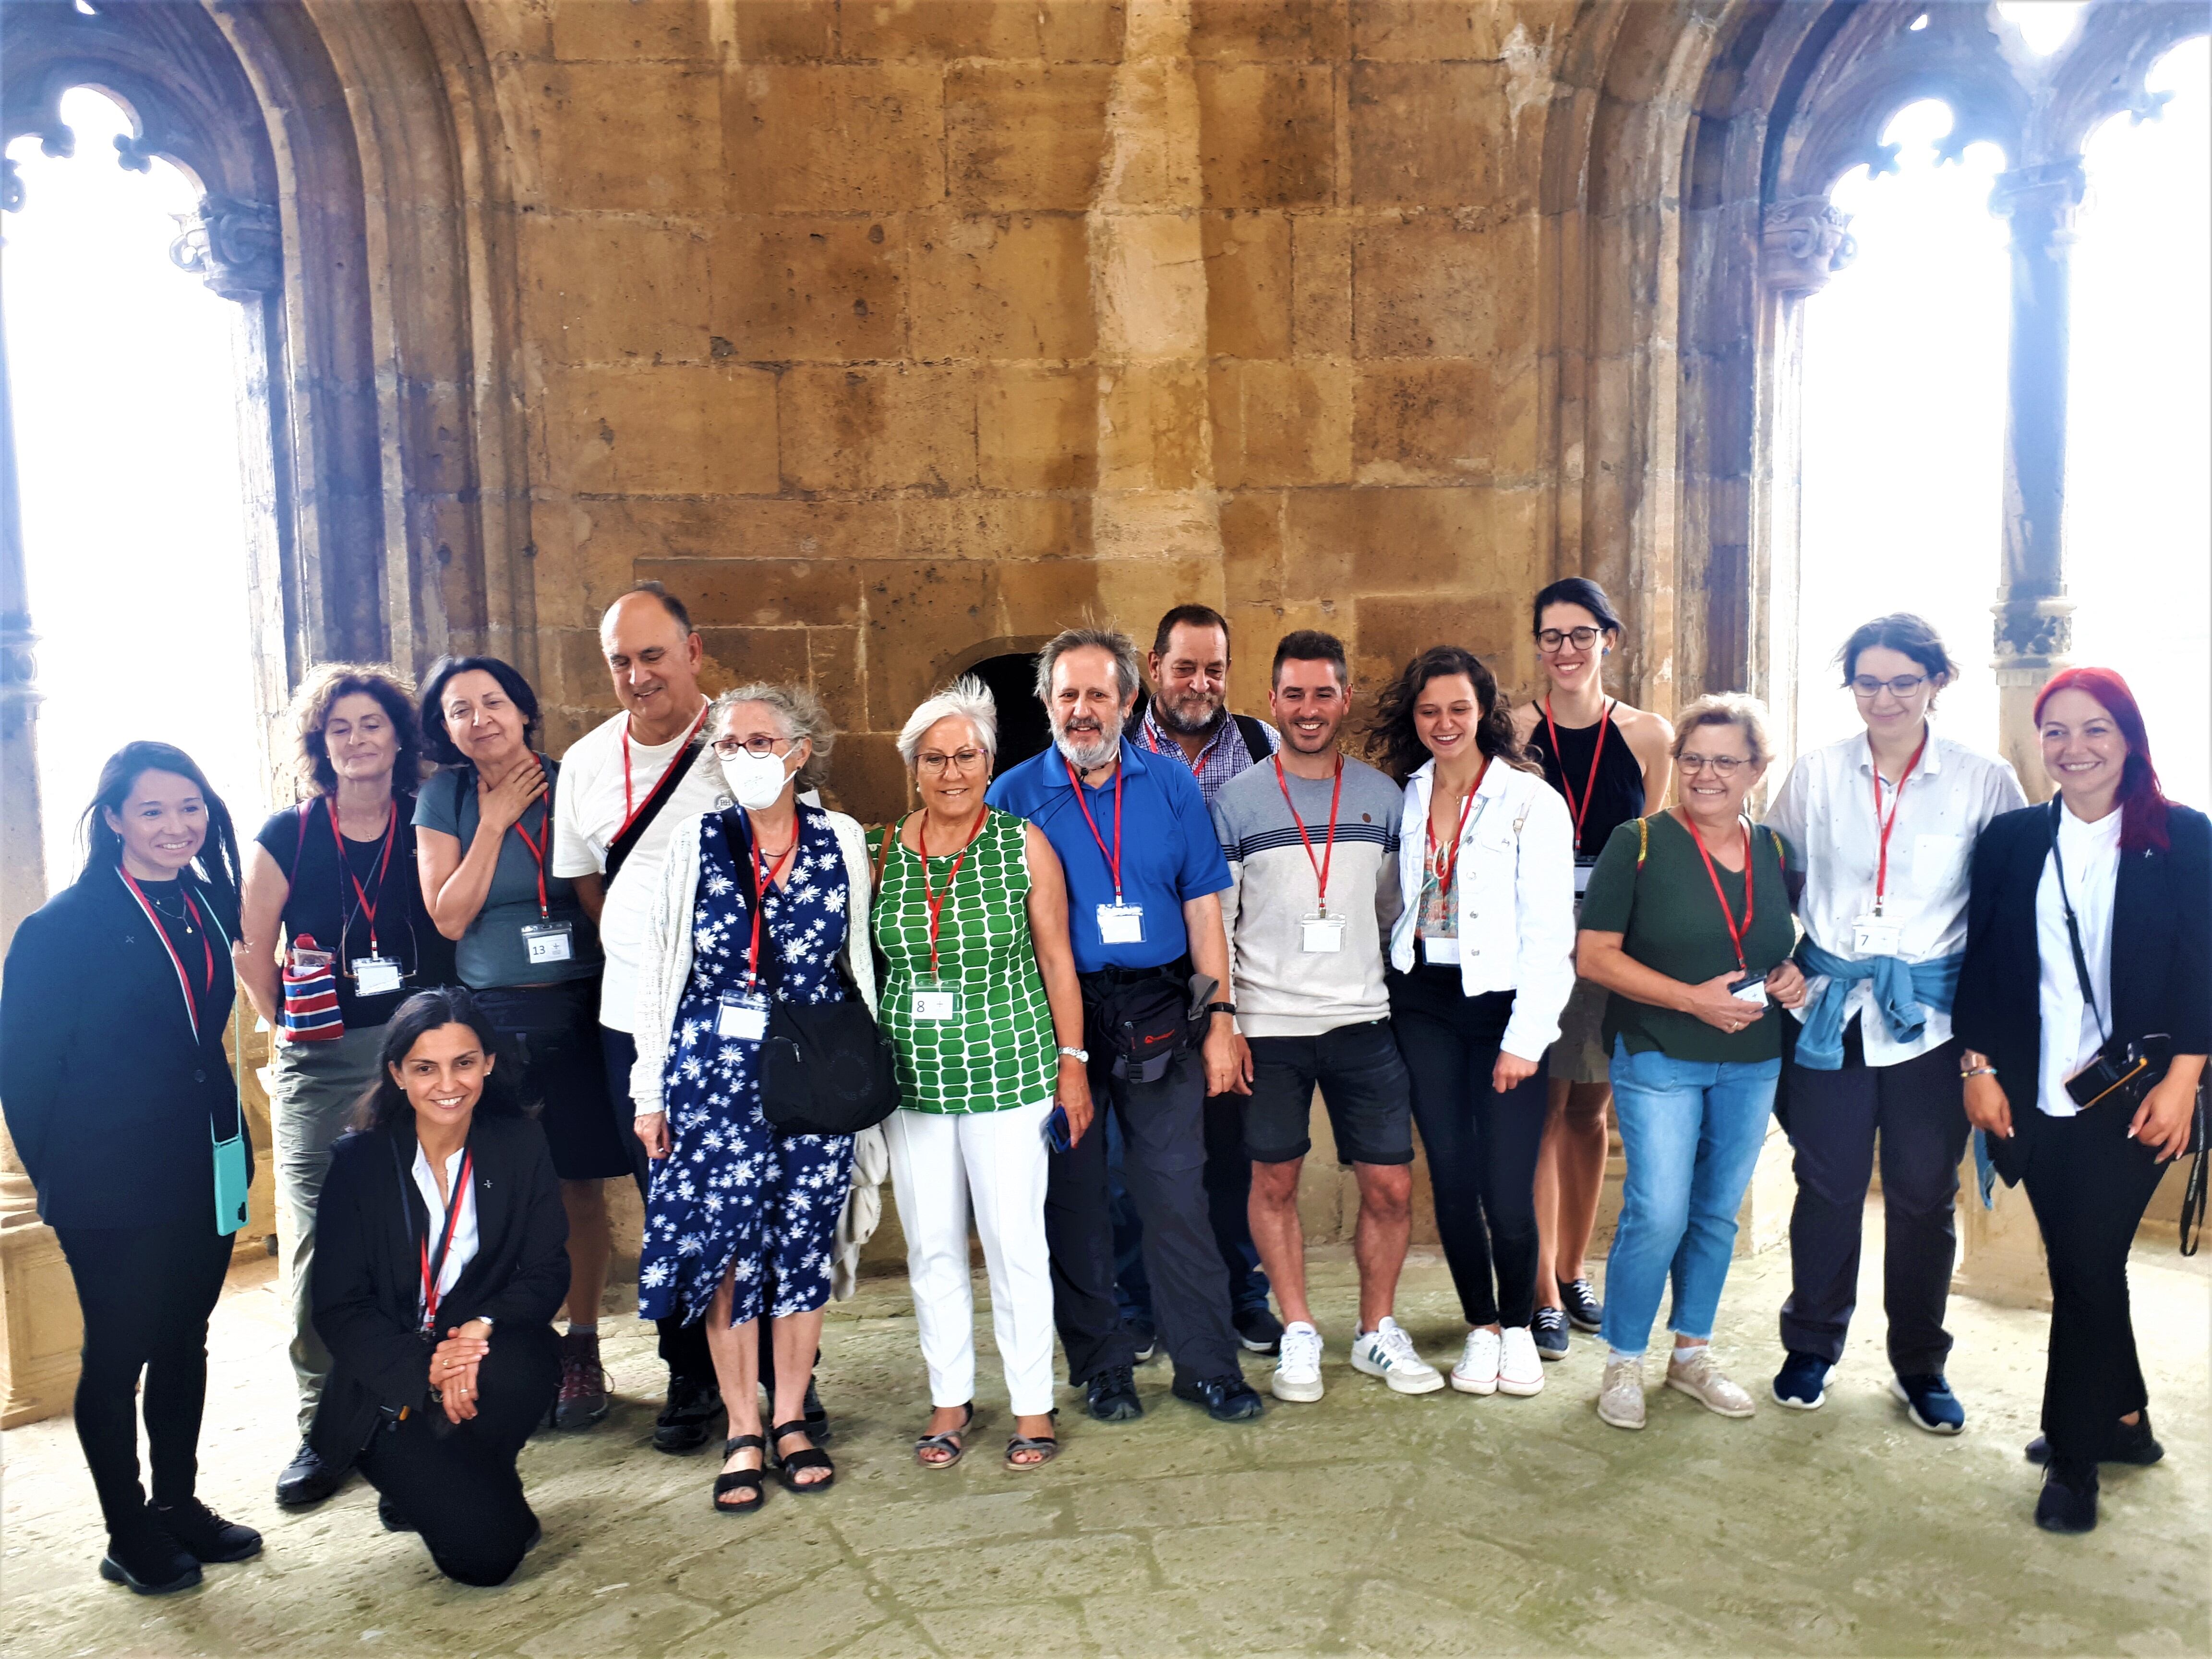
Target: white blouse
{"x":463,"y":1248}
{"x":2071,"y":1034}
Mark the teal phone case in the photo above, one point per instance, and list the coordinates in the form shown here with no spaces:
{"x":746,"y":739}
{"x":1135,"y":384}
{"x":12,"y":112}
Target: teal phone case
{"x":230,"y":1184}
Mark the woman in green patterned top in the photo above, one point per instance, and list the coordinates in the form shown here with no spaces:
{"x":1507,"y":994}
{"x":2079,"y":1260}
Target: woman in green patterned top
{"x":972,"y":916}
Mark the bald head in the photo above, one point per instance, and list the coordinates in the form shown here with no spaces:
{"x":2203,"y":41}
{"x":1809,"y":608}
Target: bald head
{"x":653,"y":659}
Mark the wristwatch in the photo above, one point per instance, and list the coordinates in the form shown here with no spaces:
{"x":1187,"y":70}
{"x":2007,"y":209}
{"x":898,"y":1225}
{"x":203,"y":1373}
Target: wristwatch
{"x":1081,"y":1056}
{"x":1229,"y":1008}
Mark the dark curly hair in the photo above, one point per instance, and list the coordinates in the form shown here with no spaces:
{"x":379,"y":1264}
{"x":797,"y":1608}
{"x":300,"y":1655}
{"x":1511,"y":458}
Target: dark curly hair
{"x":1396,"y":747}
{"x":437,"y":742}
{"x":311,"y":713}
{"x":385,"y":1105}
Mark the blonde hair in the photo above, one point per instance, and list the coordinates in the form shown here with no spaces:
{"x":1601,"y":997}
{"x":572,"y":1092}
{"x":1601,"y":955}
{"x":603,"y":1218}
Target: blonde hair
{"x":1746,"y":715}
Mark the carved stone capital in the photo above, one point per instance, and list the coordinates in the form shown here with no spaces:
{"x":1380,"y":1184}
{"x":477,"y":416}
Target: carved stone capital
{"x":1803,"y":242}
{"x":233,"y":246}
{"x":2040,"y":203}
{"x":2032,"y":633}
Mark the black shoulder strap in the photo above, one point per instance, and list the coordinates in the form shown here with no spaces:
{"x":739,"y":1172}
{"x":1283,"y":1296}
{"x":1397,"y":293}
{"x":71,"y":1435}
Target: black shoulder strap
{"x":2073,"y":927}
{"x":1255,"y":738}
{"x":624,"y":844}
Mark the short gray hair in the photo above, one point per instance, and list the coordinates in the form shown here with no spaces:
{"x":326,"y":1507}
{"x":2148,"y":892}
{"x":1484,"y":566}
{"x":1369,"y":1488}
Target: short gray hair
{"x":968,"y":699}
{"x":1746,"y":715}
{"x":802,"y":714}
{"x":1112,"y":640}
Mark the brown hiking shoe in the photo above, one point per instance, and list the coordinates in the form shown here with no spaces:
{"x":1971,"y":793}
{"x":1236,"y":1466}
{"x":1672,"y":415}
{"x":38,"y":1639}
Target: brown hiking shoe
{"x":583,"y":1399}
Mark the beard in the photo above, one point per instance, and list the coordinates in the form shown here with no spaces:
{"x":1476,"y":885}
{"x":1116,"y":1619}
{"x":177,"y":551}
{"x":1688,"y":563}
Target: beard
{"x":1090,"y":744}
{"x":1193,"y":715}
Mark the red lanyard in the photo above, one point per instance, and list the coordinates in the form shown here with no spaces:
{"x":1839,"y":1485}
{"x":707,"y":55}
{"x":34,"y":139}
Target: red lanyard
{"x":935,"y":901}
{"x":207,"y":950}
{"x":1328,"y":846}
{"x":1114,"y":857}
{"x":1736,"y":934}
{"x":629,"y":804}
{"x":1579,"y":809}
{"x":762,"y":874}
{"x":1447,"y":872}
{"x":368,"y":905}
{"x":433,"y":1272}
{"x":1896,"y":800}
{"x":538,"y":851}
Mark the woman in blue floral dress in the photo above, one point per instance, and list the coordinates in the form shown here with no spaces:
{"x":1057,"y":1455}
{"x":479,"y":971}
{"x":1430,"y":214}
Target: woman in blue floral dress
{"x":741,"y":1220}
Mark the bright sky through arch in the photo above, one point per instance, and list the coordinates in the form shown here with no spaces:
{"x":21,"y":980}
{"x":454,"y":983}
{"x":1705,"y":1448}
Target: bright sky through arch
{"x":125,"y":392}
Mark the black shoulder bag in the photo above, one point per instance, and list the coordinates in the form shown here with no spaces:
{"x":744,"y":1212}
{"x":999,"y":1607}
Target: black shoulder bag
{"x":826,"y":1069}
{"x":2126,"y":1069}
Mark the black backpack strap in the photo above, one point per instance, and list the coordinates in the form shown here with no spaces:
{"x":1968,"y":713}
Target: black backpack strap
{"x":1255,"y":738}
{"x":624,"y":844}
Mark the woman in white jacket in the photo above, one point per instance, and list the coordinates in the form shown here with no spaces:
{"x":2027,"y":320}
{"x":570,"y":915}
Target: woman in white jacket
{"x":1482,"y":961}
{"x":742,"y":1222}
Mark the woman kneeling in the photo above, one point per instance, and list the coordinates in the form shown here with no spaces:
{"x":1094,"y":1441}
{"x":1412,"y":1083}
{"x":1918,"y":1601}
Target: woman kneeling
{"x":442,"y":1260}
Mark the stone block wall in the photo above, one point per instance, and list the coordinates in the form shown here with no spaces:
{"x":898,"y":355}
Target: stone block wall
{"x":897,"y":335}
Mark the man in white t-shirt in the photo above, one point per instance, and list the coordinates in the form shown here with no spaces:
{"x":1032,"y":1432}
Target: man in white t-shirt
{"x":626,"y":787}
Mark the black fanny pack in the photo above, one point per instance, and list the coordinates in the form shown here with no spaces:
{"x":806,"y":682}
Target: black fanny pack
{"x":1144,"y":1024}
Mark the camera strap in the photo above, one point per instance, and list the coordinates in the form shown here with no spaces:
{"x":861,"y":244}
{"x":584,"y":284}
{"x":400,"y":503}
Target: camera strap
{"x":2073,"y":927}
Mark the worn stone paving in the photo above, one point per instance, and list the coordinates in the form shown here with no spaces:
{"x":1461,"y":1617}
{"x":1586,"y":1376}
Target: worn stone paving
{"x":1368,"y":1523}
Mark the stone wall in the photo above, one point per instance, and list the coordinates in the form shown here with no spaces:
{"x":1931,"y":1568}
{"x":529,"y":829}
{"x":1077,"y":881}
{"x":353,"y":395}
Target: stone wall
{"x":894,"y":336}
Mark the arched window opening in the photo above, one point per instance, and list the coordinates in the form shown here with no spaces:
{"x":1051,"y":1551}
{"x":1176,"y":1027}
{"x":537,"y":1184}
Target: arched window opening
{"x":128,"y":393}
{"x":1024,"y":731}
{"x":2138,"y":526}
{"x":1903,"y":414}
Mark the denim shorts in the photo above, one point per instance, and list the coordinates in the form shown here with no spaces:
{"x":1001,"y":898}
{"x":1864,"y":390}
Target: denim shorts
{"x":1363,"y":1083}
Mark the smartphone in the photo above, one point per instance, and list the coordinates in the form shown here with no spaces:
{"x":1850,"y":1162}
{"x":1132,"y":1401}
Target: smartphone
{"x":1055,"y":1128}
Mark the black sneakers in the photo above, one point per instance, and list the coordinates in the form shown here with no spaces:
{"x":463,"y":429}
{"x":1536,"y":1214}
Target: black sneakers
{"x":205,"y":1536}
{"x":2130,"y":1442}
{"x":1112,"y":1395}
{"x":307,"y":1479}
{"x":1259,"y":1330}
{"x":2068,"y":1501}
{"x":1228,"y":1399}
{"x":143,"y":1555}
{"x":1581,"y":1304}
{"x":685,"y":1421}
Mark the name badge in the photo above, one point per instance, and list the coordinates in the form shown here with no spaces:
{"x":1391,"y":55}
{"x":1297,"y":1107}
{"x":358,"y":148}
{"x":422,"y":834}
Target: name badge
{"x":1876,"y":936}
{"x":1583,"y":875}
{"x":374,"y":976}
{"x":743,"y":1015}
{"x":1752,"y":990}
{"x":1122,"y":924}
{"x":549,"y":941}
{"x":1439,"y":952}
{"x":1320,"y":933}
{"x":935,"y":1000}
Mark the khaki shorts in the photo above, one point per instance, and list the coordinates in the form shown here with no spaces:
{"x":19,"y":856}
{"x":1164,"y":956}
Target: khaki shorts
{"x":1579,"y":1055}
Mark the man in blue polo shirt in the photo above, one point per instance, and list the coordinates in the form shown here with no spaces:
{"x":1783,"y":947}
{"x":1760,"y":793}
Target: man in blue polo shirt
{"x":1144,"y":872}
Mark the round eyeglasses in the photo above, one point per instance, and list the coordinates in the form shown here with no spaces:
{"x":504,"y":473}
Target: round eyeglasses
{"x":758,"y":748}
{"x":1551,"y":639}
{"x":1866,"y":688}
{"x":935,"y":765}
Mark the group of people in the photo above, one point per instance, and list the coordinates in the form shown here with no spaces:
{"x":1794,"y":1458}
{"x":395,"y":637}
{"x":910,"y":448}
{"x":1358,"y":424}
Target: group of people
{"x":1110,"y":979}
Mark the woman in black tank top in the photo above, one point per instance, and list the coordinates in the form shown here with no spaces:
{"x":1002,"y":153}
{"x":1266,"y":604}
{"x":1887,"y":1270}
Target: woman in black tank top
{"x":1610,"y":763}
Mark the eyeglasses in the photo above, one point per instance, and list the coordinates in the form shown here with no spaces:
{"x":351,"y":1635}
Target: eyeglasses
{"x":1866,"y":688}
{"x":758,"y":748}
{"x":960,"y":760}
{"x":1721,"y":766}
{"x":1551,"y":639}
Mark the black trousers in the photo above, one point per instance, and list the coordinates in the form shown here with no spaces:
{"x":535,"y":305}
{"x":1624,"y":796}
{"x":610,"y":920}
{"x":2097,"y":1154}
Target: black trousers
{"x":682,"y":1348}
{"x":1482,"y":1145}
{"x":146,"y":1293}
{"x":2090,"y":1185}
{"x":1164,"y":1164}
{"x":456,"y":1482}
{"x":1917,"y":1108}
{"x":1228,"y":1207}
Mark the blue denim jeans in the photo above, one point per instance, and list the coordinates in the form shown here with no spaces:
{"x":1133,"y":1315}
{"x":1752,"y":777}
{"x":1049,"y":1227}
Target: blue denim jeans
{"x":1691,"y":1131}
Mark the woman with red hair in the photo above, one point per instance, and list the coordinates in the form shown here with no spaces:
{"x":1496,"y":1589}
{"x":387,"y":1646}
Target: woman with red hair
{"x":2085,"y":1004}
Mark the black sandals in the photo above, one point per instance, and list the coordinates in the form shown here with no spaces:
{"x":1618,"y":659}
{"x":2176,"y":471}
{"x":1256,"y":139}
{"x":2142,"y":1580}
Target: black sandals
{"x":740,"y":1480}
{"x":788,"y":1463}
{"x":948,"y":1440}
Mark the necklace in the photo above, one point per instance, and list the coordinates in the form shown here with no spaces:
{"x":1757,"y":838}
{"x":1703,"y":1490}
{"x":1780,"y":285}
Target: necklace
{"x":181,"y":914}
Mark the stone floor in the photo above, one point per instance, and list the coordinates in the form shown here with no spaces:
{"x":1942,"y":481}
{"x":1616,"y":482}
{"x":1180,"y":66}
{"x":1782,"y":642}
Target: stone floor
{"x":1368,"y":1523}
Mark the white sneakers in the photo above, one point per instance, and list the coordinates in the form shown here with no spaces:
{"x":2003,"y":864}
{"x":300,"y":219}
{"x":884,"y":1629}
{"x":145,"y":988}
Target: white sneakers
{"x":1388,"y":1352}
{"x":1477,"y":1370}
{"x":1297,"y":1368}
{"x":1520,"y":1367}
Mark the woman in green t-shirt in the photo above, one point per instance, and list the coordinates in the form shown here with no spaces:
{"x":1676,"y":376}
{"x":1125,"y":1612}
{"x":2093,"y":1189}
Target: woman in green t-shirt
{"x":1687,"y":923}
{"x":972,"y":917}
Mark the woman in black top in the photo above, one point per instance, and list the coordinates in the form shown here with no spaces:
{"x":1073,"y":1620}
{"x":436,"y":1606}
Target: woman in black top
{"x":1611,"y":763}
{"x":339,"y":871}
{"x":2087,"y":930}
{"x":484,"y":829}
{"x":125,"y":1113}
{"x":444,"y":1254}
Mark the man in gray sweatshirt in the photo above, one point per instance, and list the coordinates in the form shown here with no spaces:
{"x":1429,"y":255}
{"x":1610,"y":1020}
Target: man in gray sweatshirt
{"x":1312,"y":842}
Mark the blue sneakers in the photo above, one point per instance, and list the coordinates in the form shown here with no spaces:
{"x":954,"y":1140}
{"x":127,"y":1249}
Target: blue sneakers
{"x":1930,"y":1403}
{"x":1801,"y":1384}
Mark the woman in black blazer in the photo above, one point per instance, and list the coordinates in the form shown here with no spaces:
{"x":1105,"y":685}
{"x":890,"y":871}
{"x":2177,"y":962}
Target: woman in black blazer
{"x":2087,"y":931}
{"x":442,"y":1260}
{"x":124,"y":1111}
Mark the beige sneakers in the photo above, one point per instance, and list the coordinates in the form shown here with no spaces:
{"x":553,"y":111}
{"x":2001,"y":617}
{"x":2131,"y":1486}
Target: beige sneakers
{"x":1620,"y":1396}
{"x":1700,"y":1378}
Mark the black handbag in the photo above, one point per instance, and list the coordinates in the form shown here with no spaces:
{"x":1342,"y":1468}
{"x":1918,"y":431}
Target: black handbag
{"x":826,"y":1068}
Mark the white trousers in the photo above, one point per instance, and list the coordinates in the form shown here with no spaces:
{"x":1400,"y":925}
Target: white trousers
{"x":941,"y":1164}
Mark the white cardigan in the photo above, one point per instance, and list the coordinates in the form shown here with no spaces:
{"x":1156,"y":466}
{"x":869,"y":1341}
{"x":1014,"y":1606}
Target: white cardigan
{"x":1517,"y":898}
{"x":667,"y":968}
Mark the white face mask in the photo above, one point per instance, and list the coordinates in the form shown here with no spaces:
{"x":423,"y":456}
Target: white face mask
{"x":755,"y":780}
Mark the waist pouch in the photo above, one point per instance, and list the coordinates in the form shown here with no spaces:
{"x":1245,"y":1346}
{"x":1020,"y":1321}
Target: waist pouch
{"x":1144,"y":1025}
{"x":311,"y":993}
